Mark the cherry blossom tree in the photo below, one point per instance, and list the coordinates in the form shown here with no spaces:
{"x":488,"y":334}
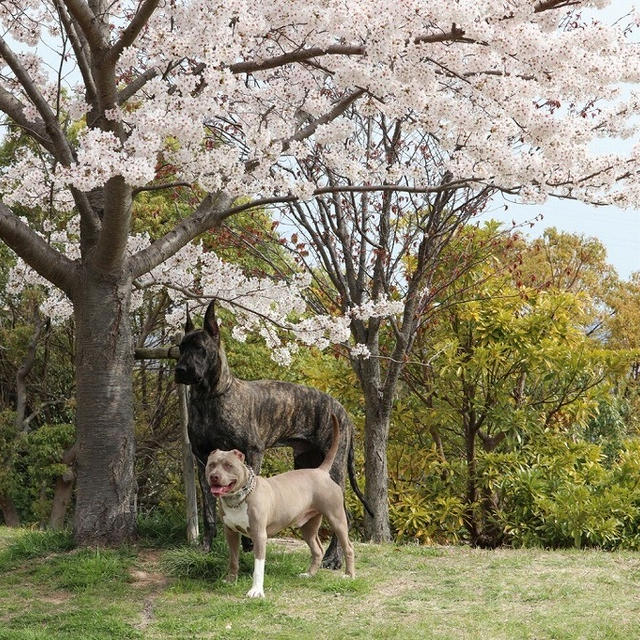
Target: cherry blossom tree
{"x":121,"y":96}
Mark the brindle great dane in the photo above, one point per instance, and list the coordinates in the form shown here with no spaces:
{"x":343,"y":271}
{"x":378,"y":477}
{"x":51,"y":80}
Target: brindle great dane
{"x":251,"y":416}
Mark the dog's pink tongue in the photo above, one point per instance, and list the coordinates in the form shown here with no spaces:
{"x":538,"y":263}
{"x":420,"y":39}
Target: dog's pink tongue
{"x":220,"y":491}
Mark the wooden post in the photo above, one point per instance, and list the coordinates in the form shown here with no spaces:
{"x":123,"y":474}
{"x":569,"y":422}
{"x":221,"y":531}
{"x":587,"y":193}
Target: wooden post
{"x":188,"y":470}
{"x":188,"y":462}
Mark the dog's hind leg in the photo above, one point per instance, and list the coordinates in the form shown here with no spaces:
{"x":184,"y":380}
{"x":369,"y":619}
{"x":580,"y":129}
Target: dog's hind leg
{"x":310,"y":534}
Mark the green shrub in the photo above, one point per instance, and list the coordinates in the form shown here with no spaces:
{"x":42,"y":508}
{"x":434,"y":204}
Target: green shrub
{"x":562,"y":494}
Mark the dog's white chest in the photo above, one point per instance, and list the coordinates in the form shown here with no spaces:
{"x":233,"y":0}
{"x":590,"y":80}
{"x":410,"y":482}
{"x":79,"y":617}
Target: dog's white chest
{"x":236,"y":518}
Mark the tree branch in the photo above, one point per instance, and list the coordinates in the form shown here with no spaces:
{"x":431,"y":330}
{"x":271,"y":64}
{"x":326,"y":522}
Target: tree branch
{"x":10,"y":105}
{"x":204,"y":217}
{"x":128,"y":36}
{"x":60,"y":145}
{"x":79,"y":50}
{"x":136,"y":84}
{"x":35,"y":251}
{"x":337,"y":111}
{"x":88,"y":22}
{"x":302,"y":55}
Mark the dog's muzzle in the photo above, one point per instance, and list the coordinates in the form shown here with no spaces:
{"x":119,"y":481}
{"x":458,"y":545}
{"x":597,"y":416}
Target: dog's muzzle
{"x":182,"y":375}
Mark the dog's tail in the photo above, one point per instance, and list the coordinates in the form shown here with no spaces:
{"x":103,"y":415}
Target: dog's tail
{"x":327,"y":463}
{"x":352,"y":479}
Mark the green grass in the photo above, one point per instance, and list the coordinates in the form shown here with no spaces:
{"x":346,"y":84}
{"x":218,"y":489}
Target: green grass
{"x":49,"y":591}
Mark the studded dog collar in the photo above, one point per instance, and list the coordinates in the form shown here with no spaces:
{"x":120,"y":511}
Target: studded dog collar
{"x":238,"y":497}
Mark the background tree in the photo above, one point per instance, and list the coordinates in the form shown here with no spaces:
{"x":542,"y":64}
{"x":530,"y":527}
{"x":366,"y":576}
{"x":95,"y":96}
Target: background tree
{"x":379,"y":251}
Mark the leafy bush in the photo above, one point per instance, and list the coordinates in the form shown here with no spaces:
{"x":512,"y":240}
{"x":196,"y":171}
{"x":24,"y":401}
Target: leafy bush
{"x":561,"y":494}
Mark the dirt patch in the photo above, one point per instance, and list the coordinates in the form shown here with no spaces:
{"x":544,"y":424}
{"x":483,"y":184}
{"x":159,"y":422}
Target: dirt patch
{"x":56,"y":597}
{"x":290,"y":544}
{"x":145,"y":576}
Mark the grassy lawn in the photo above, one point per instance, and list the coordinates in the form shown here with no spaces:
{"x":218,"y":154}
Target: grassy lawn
{"x":48,"y":590}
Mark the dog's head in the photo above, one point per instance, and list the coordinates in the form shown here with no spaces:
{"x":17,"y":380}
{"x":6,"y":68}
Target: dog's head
{"x":199,"y":360}
{"x":226,"y":472}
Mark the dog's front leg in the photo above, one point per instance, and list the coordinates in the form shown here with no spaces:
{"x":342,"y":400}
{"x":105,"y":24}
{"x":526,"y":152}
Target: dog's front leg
{"x":259,"y":554}
{"x":233,"y":540}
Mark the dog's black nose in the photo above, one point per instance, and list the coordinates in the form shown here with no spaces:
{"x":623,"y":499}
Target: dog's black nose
{"x":181,"y":375}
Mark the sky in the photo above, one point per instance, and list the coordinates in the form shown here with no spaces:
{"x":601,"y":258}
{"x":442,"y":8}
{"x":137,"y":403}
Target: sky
{"x":617,"y":229}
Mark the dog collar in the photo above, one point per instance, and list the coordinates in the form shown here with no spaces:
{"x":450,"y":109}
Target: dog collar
{"x":237,"y":498}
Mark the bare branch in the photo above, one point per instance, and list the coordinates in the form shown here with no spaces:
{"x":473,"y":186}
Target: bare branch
{"x":35,"y":251}
{"x":60,"y":145}
{"x":128,"y":36}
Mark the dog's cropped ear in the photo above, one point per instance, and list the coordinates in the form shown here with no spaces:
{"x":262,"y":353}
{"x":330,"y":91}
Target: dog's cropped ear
{"x":238,"y":454}
{"x":188,"y":325}
{"x":210,"y":322}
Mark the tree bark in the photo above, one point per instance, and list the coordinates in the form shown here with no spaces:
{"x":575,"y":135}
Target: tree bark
{"x":472,"y":487}
{"x":105,"y":512}
{"x":376,"y":437}
{"x":188,"y":470}
{"x":9,"y":511}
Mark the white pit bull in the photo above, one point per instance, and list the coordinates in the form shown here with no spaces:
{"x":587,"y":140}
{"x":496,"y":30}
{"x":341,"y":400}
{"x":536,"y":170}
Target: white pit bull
{"x":260,"y":507}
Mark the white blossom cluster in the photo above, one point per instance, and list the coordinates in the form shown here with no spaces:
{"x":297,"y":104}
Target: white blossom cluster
{"x":514,"y":98}
{"x":504,"y":105}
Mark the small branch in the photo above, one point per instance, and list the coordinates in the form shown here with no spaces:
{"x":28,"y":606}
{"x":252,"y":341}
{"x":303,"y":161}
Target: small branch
{"x":159,"y":187}
{"x":128,"y":36}
{"x":157,"y":353}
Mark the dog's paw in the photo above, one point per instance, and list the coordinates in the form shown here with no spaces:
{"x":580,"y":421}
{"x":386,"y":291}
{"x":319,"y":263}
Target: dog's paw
{"x":346,"y":576}
{"x":254,"y":592}
{"x":332,"y":562}
{"x":231,"y":579}
{"x":306,"y":574}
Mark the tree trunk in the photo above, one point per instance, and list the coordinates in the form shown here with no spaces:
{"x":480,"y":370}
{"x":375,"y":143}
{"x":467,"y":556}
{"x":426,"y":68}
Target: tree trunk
{"x":105,"y":512}
{"x":9,"y":511}
{"x":376,"y":437}
{"x":63,"y":491}
{"x":472,"y":487}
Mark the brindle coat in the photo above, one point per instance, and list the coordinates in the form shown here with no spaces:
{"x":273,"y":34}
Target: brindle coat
{"x":251,"y":416}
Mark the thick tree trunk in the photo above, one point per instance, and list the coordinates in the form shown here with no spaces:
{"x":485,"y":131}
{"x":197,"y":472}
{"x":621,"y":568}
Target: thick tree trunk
{"x":376,"y":436}
{"x":9,"y":511}
{"x":105,"y":512}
